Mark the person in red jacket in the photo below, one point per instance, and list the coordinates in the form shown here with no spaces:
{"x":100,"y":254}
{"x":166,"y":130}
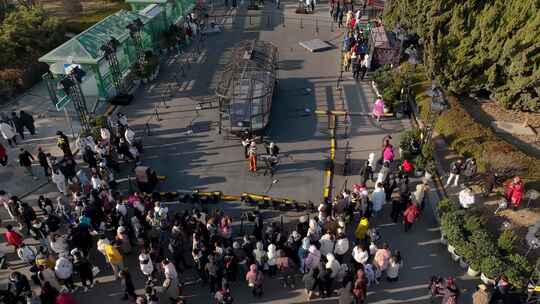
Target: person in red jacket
{"x":514,"y":192}
{"x":410,"y":215}
{"x":407,"y":167}
{"x":3,"y":155}
{"x":65,"y":298}
{"x":12,"y":237}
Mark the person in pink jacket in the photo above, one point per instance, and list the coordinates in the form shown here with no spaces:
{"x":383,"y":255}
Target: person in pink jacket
{"x":313,"y":259}
{"x":378,"y":108}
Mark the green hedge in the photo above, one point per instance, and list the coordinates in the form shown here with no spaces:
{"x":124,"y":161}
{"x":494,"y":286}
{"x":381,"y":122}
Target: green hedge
{"x":481,"y":250}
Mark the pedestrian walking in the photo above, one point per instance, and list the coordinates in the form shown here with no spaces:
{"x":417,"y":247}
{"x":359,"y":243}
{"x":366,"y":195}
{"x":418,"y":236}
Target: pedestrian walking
{"x":43,"y":162}
{"x":255,"y":279}
{"x":311,"y":282}
{"x":12,"y":237}
{"x":28,"y":121}
{"x":378,"y":108}
{"x":514,"y":192}
{"x":450,"y":292}
{"x":63,"y":143}
{"x":394,"y":265}
{"x":470,"y":169}
{"x":25,"y":161}
{"x":378,"y":198}
{"x":364,"y":66}
{"x":252,"y":156}
{"x":455,"y":170}
{"x":3,"y":156}
{"x":410,"y":216}
{"x":64,"y":271}
{"x":59,"y":180}
{"x":127,"y":284}
{"x":17,"y":124}
{"x":8,"y":133}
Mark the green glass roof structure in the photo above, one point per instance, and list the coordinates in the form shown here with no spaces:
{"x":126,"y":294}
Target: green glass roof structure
{"x":85,"y":47}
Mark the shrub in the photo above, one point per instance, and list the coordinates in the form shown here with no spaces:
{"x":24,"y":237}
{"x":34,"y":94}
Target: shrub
{"x":451,"y":227}
{"x":470,"y":254}
{"x":492,"y":266}
{"x":519,"y":271}
{"x":446,"y":206}
{"x":483,"y":243}
{"x":507,"y":241}
{"x":474,"y":222}
{"x":405,"y":142}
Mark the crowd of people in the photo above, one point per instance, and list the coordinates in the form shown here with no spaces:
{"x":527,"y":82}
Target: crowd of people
{"x":326,"y":252}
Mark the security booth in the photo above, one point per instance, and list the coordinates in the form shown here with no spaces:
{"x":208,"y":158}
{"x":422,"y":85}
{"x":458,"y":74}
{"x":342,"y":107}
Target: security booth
{"x":86,"y":51}
{"x":384,"y":47}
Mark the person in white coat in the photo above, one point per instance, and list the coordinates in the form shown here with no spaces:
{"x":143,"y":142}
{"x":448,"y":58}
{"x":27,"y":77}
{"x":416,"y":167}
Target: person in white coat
{"x":342,"y":246}
{"x":333,"y":265}
{"x":272,"y":259}
{"x":378,"y":197}
{"x":327,"y":244}
{"x":59,"y":180}
{"x":394,"y":265}
{"x":8,"y":133}
{"x":64,"y":271}
{"x":360,"y":255}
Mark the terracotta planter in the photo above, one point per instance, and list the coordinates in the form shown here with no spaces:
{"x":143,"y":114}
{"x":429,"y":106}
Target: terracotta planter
{"x":486,"y":280}
{"x":473,"y":273}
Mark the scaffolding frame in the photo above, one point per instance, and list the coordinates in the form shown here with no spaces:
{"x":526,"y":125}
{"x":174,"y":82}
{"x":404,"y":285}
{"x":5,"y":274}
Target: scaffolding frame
{"x":246,"y":87}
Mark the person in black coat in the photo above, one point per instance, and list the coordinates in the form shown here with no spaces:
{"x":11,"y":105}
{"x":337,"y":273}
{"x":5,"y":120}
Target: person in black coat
{"x":89,"y":157}
{"x":127,"y":283}
{"x":25,"y":160}
{"x":17,"y":124}
{"x":42,"y":158}
{"x":27,"y":121}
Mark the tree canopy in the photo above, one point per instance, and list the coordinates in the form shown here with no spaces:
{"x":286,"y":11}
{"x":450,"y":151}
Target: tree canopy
{"x":474,"y":45}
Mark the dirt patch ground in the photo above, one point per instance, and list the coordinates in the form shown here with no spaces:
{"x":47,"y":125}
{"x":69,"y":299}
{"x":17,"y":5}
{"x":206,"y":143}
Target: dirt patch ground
{"x":486,"y":111}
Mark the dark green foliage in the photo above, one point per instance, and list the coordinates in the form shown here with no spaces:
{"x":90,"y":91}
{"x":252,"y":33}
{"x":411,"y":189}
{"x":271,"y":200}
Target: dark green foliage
{"x":492,"y":266}
{"x":446,"y":206}
{"x":507,"y":241}
{"x":474,"y":223}
{"x":473,"y":45}
{"x":519,"y":272}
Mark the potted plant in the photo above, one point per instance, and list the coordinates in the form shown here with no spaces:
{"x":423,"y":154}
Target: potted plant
{"x":507,"y":241}
{"x":519,"y":271}
{"x":472,"y":258}
{"x":420,"y":164}
{"x":446,"y":206}
{"x":451,"y":224}
{"x":491,"y":267}
{"x":458,"y":255}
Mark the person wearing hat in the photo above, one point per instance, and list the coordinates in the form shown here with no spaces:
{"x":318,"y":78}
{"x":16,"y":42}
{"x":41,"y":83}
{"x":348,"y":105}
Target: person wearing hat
{"x":481,"y":296}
